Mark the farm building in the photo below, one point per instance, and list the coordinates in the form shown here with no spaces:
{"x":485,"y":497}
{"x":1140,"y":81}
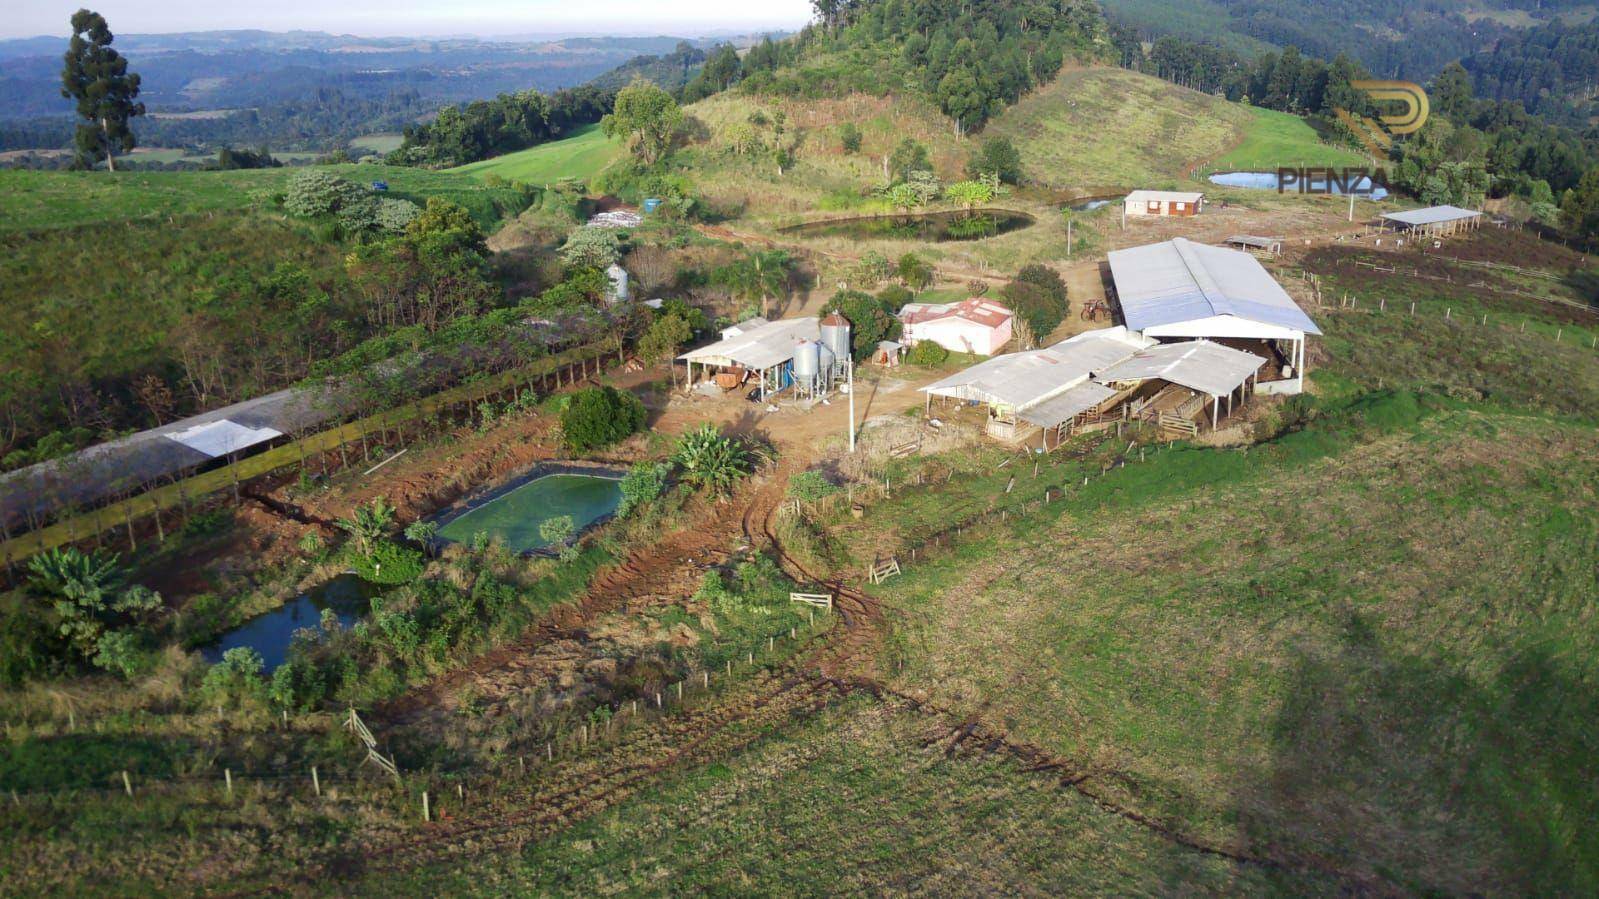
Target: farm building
{"x":1434,"y":221}
{"x":975,"y":326}
{"x":1172,"y":382}
{"x":1051,"y":385}
{"x":1163,"y":202}
{"x":803,"y":353}
{"x":1180,"y":290}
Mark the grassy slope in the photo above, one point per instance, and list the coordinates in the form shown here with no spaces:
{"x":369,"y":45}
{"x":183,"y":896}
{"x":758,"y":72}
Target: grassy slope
{"x":31,"y":200}
{"x":1274,"y":139}
{"x":1111,"y":128}
{"x":862,"y":801}
{"x":580,"y":156}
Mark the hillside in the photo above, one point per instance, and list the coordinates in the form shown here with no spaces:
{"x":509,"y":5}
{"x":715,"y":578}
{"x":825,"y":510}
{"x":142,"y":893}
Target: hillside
{"x":581,"y":155}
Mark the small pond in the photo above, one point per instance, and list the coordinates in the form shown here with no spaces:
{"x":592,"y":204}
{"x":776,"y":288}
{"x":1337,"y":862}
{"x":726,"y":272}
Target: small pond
{"x":936,"y":227}
{"x":347,"y":595}
{"x":514,"y":514}
{"x":1268,"y":181}
{"x":1089,"y":204}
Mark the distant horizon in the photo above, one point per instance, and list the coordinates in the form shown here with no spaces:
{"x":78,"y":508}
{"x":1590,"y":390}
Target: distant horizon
{"x":487,"y":20}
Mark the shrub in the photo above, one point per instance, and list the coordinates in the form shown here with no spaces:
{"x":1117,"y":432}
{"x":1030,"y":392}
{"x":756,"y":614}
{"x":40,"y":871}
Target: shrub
{"x":927,"y":353}
{"x":314,"y":193}
{"x":663,"y":337}
{"x":297,"y":685}
{"x":643,"y":483}
{"x":596,"y":248}
{"x":914,"y":272}
{"x":395,"y":215}
{"x":389,"y":563}
{"x":711,"y":460}
{"x":894,"y":297}
{"x":236,"y":680}
{"x":600,"y":416}
{"x":810,"y":486}
{"x":849,"y":137}
{"x":557,"y":534}
{"x":120,"y":652}
{"x":998,"y":158}
{"x":368,"y":523}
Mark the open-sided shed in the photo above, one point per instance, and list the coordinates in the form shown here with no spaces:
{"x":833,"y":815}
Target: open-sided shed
{"x":759,"y":346}
{"x":1433,"y":221}
{"x":1179,"y":290}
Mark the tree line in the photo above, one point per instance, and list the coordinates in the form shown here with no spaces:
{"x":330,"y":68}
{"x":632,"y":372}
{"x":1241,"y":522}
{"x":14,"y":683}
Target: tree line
{"x":505,"y":124}
{"x":1470,"y":148}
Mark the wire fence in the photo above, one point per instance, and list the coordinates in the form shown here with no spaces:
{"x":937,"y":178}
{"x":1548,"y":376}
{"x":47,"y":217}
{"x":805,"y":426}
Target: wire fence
{"x":602,"y":725}
{"x":181,"y":496}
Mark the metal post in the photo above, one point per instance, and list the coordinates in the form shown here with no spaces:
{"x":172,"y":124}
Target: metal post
{"x":852,"y":404}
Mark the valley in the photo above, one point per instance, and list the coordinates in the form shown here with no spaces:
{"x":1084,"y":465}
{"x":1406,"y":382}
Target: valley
{"x":1299,"y":601}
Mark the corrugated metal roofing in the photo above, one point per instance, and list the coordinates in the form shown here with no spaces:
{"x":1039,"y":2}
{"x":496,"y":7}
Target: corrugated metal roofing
{"x":1180,"y":281}
{"x":1196,"y":364}
{"x":1055,"y":410}
{"x":1432,"y":215}
{"x":758,"y":347}
{"x":987,"y":313}
{"x":1164,"y":196}
{"x":1023,"y":379}
{"x":220,"y":438}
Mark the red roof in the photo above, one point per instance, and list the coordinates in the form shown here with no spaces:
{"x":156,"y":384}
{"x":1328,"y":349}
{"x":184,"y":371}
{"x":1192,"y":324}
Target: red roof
{"x":983,"y":312}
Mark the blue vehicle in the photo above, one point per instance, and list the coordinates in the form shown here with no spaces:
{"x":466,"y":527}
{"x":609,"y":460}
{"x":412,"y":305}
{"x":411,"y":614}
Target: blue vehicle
{"x":380,"y":185}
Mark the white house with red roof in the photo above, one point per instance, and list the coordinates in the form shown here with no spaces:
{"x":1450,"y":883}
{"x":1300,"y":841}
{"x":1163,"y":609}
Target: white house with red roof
{"x":975,"y":326}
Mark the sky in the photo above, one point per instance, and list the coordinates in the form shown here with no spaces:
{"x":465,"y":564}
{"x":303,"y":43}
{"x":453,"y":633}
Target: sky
{"x":392,"y":18}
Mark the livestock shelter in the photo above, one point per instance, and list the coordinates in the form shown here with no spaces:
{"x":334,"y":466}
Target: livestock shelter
{"x":1271,"y":246}
{"x":1182,"y":378}
{"x":1163,"y":202}
{"x":1181,"y":290}
{"x":1433,"y":221}
{"x":1041,"y":388}
{"x":752,"y":348}
{"x":976,"y":326}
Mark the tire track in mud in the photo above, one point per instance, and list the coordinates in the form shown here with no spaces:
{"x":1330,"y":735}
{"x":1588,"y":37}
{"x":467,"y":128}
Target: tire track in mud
{"x":852,"y":673}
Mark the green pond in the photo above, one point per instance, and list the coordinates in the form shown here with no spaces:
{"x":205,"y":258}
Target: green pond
{"x":515,"y":516}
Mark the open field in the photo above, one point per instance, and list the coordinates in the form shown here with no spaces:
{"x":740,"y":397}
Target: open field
{"x":579,"y":156}
{"x":1275,"y":139}
{"x":1304,"y":678}
{"x":33,"y":200}
{"x":1102,"y":129}
{"x":862,"y":800}
{"x":380,"y":144}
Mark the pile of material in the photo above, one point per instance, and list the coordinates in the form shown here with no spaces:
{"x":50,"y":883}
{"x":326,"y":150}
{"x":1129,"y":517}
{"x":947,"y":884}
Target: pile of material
{"x":616,"y":218}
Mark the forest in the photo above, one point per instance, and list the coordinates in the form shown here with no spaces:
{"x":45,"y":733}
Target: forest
{"x":1553,"y":70}
{"x":509,"y":122}
{"x":973,"y":59}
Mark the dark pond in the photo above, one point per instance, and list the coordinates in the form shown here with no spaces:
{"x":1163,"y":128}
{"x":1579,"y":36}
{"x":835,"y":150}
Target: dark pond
{"x":347,"y":595}
{"x":936,"y":227}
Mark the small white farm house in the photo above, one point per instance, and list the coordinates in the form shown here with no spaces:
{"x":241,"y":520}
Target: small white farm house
{"x":1164,"y":202}
{"x":976,"y":326}
{"x":1181,"y":290}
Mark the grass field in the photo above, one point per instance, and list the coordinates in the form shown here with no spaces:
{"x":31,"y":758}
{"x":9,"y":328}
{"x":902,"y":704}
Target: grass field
{"x":1274,"y":139}
{"x":383,"y":143}
{"x":31,"y":200}
{"x":579,"y":156}
{"x":1112,"y":128}
{"x":862,"y":801}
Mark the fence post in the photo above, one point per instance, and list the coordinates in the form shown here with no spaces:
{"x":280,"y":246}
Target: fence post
{"x":227,"y":776}
{"x":425,"y":816}
{"x":127,"y":784}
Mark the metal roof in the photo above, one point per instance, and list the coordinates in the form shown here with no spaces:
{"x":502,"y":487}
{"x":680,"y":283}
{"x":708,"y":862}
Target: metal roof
{"x":1181,"y":281}
{"x":1025,"y":379}
{"x":1196,"y":364}
{"x":1164,"y":196}
{"x":1250,"y":240}
{"x":977,"y":310}
{"x":1432,"y":215}
{"x":757,"y":346}
{"x":1066,"y":406}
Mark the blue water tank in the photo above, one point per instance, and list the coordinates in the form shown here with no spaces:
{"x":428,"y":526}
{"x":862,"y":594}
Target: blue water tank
{"x":651,"y":204}
{"x":380,"y":185}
